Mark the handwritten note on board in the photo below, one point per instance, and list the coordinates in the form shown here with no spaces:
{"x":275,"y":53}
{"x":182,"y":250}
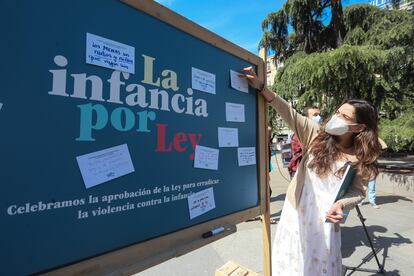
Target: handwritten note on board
{"x":238,"y":82}
{"x":228,"y":137}
{"x":201,"y":202}
{"x":235,"y":112}
{"x":104,"y":165}
{"x":246,"y":156}
{"x":203,"y":81}
{"x":206,"y":158}
{"x":107,"y":53}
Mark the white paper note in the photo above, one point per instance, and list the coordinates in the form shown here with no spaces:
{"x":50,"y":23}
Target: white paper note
{"x":104,"y":165}
{"x":246,"y":156}
{"x":203,"y":81}
{"x":206,"y":158}
{"x":228,"y":137}
{"x":237,"y":82}
{"x":235,"y":112}
{"x":107,"y":53}
{"x":201,"y":202}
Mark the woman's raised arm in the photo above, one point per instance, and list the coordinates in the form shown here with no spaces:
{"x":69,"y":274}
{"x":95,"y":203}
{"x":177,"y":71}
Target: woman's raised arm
{"x":303,"y":127}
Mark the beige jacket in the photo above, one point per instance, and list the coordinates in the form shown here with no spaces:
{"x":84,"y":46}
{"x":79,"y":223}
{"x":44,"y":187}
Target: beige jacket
{"x":307,"y":130}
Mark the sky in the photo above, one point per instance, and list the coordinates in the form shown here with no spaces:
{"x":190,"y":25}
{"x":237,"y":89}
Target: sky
{"x":238,"y":21}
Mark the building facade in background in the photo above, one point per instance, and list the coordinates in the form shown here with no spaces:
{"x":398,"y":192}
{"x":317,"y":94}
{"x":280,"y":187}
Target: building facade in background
{"x":283,"y":131}
{"x":387,"y":4}
{"x":271,"y":69}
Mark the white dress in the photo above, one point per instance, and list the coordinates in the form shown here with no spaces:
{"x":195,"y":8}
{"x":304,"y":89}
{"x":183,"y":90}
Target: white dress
{"x":305,"y":244}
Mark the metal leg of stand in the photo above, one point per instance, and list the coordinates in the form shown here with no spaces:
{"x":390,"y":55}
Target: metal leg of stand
{"x":380,"y":267}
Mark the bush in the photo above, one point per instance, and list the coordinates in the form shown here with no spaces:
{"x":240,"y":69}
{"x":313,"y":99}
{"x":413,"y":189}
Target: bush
{"x":399,"y":133}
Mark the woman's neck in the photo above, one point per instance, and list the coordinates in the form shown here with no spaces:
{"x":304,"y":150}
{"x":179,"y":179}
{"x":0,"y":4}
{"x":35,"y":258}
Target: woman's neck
{"x":346,"y":143}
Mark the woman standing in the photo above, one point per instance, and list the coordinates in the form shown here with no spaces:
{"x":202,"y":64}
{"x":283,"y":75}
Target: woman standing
{"x":305,"y":244}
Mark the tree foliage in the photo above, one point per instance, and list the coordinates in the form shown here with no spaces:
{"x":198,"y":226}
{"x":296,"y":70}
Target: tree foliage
{"x":399,"y":133}
{"x":372,"y":58}
{"x":306,"y":18}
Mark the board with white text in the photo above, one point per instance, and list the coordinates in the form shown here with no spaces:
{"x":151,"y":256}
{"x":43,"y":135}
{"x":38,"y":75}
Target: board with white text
{"x":124,"y":137}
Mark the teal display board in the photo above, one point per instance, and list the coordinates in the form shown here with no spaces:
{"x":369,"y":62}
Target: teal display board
{"x":57,"y":107}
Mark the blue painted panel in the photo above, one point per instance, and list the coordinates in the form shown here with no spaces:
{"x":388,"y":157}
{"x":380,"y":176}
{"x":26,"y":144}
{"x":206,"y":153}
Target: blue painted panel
{"x":38,"y":146}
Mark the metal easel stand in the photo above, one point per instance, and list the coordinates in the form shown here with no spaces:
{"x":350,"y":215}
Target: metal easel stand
{"x":380,"y":266}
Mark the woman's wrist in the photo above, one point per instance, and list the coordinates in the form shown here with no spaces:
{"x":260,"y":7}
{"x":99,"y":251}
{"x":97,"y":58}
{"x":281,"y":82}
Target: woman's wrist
{"x":261,"y":87}
{"x":340,"y":204}
{"x":267,"y":94}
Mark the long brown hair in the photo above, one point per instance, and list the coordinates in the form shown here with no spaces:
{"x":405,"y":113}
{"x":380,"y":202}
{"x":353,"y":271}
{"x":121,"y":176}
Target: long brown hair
{"x":325,"y":149}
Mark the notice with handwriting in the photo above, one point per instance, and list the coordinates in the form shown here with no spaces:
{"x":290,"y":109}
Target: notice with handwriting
{"x":235,"y":112}
{"x":246,"y":156}
{"x":104,"y":165}
{"x":206,"y":158}
{"x":228,"y":137}
{"x":201,"y":202}
{"x":107,"y":53}
{"x":203,"y":81}
{"x":238,"y":81}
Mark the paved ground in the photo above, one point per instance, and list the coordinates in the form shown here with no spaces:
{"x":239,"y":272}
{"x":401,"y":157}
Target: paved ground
{"x":392,"y":226}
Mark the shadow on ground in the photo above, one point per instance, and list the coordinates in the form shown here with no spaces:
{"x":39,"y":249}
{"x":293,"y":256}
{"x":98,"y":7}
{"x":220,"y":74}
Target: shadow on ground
{"x":276,"y":216}
{"x":390,"y":199}
{"x":280,"y":197}
{"x":353,"y":237}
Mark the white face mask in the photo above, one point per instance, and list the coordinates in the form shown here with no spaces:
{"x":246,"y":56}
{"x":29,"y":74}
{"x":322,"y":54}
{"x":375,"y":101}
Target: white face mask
{"x":336,"y":126}
{"x":317,"y":119}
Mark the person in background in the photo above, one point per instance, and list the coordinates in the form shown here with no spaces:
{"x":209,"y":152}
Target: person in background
{"x":313,"y":113}
{"x":371,"y":193}
{"x":271,"y":136}
{"x":269,"y":129}
{"x":372,"y":184}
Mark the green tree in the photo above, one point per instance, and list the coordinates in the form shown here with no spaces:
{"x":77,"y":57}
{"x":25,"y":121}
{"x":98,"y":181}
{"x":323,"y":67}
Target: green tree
{"x":372,"y":58}
{"x":306,"y":18}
